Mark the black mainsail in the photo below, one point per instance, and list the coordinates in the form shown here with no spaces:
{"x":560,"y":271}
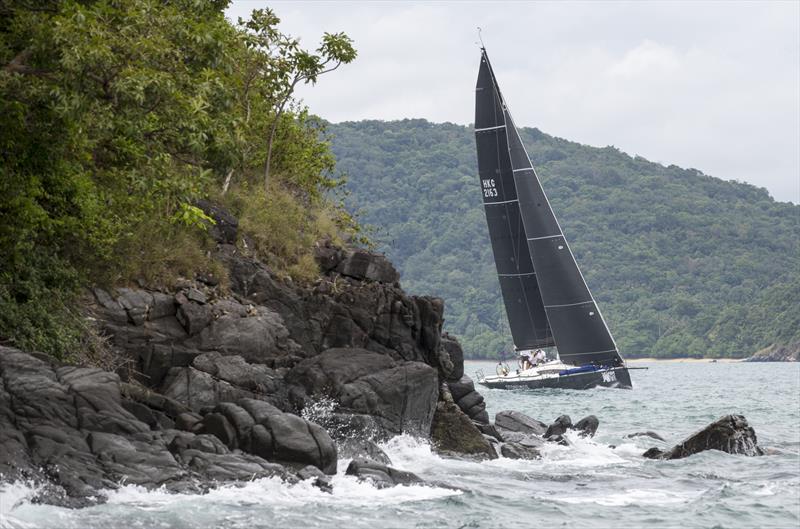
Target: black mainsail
{"x":545,"y":294}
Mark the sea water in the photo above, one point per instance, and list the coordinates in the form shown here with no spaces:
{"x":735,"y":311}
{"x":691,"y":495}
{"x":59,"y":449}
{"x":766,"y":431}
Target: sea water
{"x":594,"y":483}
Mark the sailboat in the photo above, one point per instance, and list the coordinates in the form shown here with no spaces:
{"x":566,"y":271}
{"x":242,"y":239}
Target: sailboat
{"x":546,"y":297}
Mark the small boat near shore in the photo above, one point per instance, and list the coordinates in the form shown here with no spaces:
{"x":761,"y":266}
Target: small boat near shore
{"x":546,"y":298}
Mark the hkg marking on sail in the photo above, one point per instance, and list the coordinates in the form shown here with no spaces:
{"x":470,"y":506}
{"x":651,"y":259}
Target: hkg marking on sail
{"x":489,"y":190}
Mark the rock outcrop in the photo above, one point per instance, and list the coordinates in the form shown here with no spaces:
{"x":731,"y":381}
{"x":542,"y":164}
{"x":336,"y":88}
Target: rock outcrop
{"x":69,"y":427}
{"x":454,"y":433}
{"x":399,"y":396}
{"x":731,"y":434}
{"x":380,"y":475}
{"x":777,"y":353}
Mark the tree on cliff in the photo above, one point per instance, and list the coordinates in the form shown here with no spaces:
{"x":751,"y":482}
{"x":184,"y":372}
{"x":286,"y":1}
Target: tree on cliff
{"x":115,"y":117}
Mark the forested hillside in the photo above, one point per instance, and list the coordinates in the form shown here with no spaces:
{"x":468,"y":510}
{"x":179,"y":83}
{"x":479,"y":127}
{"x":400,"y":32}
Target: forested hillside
{"x":683,"y":264}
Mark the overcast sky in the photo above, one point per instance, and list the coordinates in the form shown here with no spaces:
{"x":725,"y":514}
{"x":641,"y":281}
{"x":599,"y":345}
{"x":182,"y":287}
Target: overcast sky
{"x":714,"y":86}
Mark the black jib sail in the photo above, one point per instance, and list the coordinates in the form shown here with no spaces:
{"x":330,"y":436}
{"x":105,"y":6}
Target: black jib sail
{"x":546,"y":297}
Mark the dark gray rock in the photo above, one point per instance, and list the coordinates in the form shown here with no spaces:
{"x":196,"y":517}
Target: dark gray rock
{"x":509,"y":421}
{"x":285,"y":437}
{"x":461,"y":387}
{"x":453,"y":432}
{"x":320,"y":480}
{"x":71,"y":429}
{"x":558,"y":428}
{"x":452,"y":347}
{"x":362,"y":449}
{"x":226,"y":226}
{"x":469,"y":400}
{"x":731,"y":434}
{"x":197,"y":296}
{"x":194,"y":317}
{"x":400,"y":395}
{"x":361,"y":264}
{"x":217,"y":425}
{"x":381,"y":476}
{"x":648,"y":433}
{"x":587,"y":426}
{"x":261,"y":338}
{"x":777,"y":353}
{"x":519,"y":451}
{"x":344,"y":312}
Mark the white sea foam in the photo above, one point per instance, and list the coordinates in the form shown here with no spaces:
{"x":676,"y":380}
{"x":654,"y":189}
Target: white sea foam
{"x":632,"y":497}
{"x":15,"y":497}
{"x":582,"y":452}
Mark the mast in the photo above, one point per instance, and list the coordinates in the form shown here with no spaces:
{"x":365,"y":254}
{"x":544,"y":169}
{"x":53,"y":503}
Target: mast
{"x":560,"y":297}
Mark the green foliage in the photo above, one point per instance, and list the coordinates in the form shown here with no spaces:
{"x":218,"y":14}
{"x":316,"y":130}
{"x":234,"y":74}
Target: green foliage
{"x":681,"y":263}
{"x":114,"y":118}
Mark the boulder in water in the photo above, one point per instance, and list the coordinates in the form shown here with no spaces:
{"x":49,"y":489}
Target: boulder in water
{"x":648,"y":433}
{"x":453,"y":432}
{"x":513,"y":421}
{"x":587,"y":426}
{"x":381,"y":476}
{"x":559,"y":427}
{"x":364,"y":449}
{"x":731,"y":434}
{"x":519,"y":451}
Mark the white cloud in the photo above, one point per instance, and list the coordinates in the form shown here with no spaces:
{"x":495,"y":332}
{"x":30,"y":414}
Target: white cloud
{"x":715,"y":86}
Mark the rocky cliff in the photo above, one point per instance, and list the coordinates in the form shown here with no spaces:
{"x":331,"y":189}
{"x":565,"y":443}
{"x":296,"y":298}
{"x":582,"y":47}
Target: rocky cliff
{"x":226,"y":384}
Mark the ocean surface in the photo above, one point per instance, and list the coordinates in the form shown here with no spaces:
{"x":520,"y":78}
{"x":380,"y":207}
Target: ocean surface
{"x":587,"y":485}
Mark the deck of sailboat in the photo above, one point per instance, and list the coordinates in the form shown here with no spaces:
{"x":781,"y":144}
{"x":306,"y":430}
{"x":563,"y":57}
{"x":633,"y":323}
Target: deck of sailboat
{"x":559,"y":375}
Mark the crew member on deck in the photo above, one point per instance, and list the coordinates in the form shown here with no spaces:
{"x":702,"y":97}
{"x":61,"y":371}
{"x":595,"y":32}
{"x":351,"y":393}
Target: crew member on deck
{"x":525,"y":362}
{"x":539,"y":358}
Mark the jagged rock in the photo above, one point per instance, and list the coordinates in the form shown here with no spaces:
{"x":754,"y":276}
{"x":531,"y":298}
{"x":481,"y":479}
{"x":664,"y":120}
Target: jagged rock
{"x":261,"y":338}
{"x":197,"y":296}
{"x":187,"y":421}
{"x":381,"y":476}
{"x":587,"y":426}
{"x":731,"y":434}
{"x":510,"y":422}
{"x":361,"y":264}
{"x":469,"y":400}
{"x":648,"y":433}
{"x":321,"y":481}
{"x":69,"y":428}
{"x":217,"y":425}
{"x":327,"y":255}
{"x":364,"y":449}
{"x":400,"y":395}
{"x":559,"y":427}
{"x":452,"y":347}
{"x":453,"y":432}
{"x":285,"y":437}
{"x":343,"y":312}
{"x":225,"y":227}
{"x":519,"y":451}
{"x":194,"y":317}
{"x":461,"y":387}
{"x":777,"y":353}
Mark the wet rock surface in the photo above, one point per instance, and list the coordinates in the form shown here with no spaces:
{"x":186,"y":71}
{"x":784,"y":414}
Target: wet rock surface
{"x":731,"y":434}
{"x":380,"y":475}
{"x":454,"y":433}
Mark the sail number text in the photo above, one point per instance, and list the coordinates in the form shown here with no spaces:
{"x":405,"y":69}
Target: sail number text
{"x":489,"y":190}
